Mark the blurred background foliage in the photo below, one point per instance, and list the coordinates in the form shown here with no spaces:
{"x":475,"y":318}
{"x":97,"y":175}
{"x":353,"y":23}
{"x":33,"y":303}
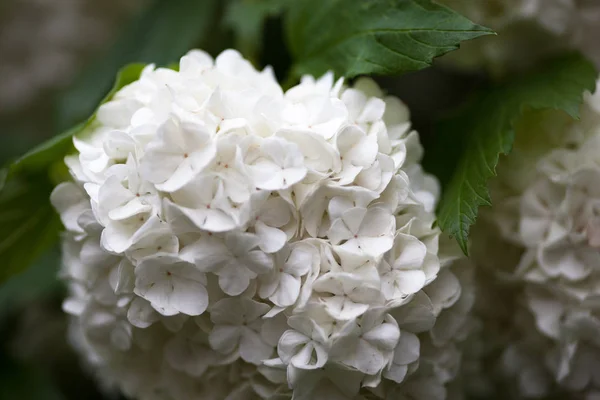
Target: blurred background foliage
{"x":58,"y":58}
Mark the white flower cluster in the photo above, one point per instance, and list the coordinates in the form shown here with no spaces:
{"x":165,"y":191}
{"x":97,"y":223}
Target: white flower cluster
{"x":527,"y":30}
{"x":228,"y":240}
{"x":552,"y":214}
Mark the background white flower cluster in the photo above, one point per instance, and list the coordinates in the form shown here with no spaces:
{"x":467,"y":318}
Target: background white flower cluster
{"x":528,"y":30}
{"x":228,"y":240}
{"x":547,"y":208}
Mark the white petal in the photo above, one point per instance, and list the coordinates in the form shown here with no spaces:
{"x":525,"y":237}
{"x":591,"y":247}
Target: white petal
{"x":384,"y":336}
{"x":269,"y":283}
{"x":376,"y":222}
{"x":275,"y":212}
{"x":408,"y":349}
{"x":289,"y":344}
{"x":241,"y":243}
{"x":252,"y":348}
{"x":396,"y":373}
{"x":444,"y":291}
{"x":417,"y":316}
{"x":339,"y":232}
{"x":310,"y":356}
{"x":189,"y":297}
{"x":271,"y":239}
{"x":131,"y":208}
{"x":366,"y":358}
{"x":253,"y":310}
{"x":70,"y":202}
{"x":373,"y":110}
{"x":189,"y":166}
{"x":125,"y":282}
{"x":288,"y":291}
{"x":353,"y":219}
{"x":209,"y":254}
{"x":258,"y":262}
{"x":272,"y":328}
{"x":227,"y":312}
{"x":374,"y":246}
{"x":343,"y":308}
{"x":141,"y":314}
{"x":412,"y":252}
{"x":225,"y":338}
{"x":233,"y":280}
{"x":301,"y":259}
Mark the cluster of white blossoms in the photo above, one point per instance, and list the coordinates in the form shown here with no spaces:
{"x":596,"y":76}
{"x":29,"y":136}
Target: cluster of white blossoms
{"x":528,"y":30}
{"x":227,"y":240}
{"x":547,"y":205}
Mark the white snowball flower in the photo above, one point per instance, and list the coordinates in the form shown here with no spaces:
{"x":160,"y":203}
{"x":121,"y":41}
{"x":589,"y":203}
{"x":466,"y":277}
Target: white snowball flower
{"x":237,"y":329}
{"x":367,"y":344}
{"x":227,"y":240}
{"x":179,"y":153}
{"x":171,"y":285}
{"x":345,"y":296}
{"x":549,"y":219}
{"x":231,"y":259}
{"x":282,"y":286}
{"x":125,"y":205}
{"x":304,"y":346}
{"x":406,"y":354}
{"x":361,"y":231}
{"x":274,"y":222}
{"x":399,"y":279}
{"x":203,"y":203}
{"x":281,"y":166}
{"x":358,"y":151}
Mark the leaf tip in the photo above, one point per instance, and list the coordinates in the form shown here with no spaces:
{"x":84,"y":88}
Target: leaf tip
{"x":463,"y":242}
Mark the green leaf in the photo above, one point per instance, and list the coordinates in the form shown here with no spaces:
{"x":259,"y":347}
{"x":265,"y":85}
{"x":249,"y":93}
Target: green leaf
{"x":28,"y":224}
{"x":388,"y":37}
{"x":246,"y":18}
{"x":161,"y":34}
{"x":468,"y":144}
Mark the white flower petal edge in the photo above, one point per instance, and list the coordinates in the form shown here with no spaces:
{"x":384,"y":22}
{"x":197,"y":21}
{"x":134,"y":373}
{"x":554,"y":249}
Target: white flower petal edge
{"x":228,"y":240}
